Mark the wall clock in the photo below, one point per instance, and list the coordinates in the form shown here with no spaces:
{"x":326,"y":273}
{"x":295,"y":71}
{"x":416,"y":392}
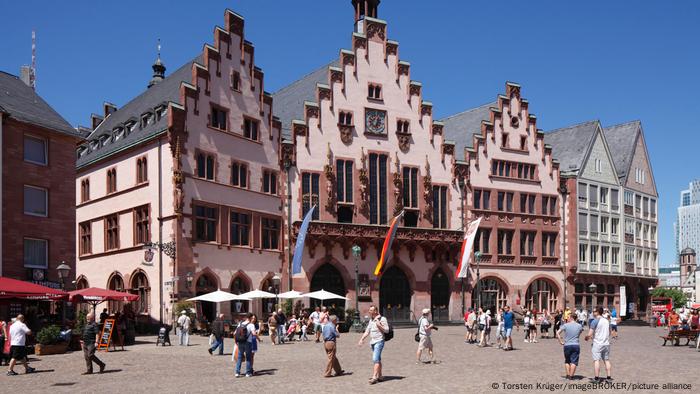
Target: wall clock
{"x":375,"y":121}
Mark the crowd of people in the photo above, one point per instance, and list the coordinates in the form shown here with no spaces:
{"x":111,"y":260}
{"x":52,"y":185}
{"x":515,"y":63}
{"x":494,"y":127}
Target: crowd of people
{"x":684,"y":319}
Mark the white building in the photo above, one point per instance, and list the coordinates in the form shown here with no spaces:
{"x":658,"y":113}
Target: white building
{"x":687,"y":224}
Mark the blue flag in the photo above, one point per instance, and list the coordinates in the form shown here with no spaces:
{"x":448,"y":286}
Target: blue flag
{"x":299,"y":248}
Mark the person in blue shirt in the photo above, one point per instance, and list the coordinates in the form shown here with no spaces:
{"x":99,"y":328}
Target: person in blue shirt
{"x":330,"y":335}
{"x":508,"y":320}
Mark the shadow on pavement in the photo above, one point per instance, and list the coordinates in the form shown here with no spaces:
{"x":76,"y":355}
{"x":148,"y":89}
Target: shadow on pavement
{"x":388,"y":378}
{"x":64,"y":384}
{"x":110,"y":371}
{"x":270,"y":371}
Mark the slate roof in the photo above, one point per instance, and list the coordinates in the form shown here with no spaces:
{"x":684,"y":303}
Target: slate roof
{"x":21,"y":102}
{"x":288,"y":102}
{"x":621,"y":140}
{"x":102,"y":143}
{"x":570,"y":144}
{"x":462,"y":126}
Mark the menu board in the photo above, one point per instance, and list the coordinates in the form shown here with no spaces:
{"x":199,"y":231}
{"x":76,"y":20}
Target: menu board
{"x":106,"y":335}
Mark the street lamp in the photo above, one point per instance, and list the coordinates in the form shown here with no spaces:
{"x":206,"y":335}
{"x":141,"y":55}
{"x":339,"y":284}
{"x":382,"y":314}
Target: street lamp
{"x":189,"y":278}
{"x":288,"y":168}
{"x":592,"y":287}
{"x":63,"y":271}
{"x":461,"y":198}
{"x":356,"y":250}
{"x":276,"y":280}
{"x":564,"y":190}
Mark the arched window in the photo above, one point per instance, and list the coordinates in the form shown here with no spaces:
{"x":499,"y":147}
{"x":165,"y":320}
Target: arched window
{"x":541,"y":294}
{"x":493,"y":295}
{"x":140,"y":286}
{"x":116,"y":283}
{"x":239,"y":286}
{"x":268,"y":304}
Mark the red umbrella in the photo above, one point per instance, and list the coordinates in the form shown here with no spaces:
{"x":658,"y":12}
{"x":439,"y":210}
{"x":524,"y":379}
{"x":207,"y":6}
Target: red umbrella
{"x":95,"y":296}
{"x":13,"y":288}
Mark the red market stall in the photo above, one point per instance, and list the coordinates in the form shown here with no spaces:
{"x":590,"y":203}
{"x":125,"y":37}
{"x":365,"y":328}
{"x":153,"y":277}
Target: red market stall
{"x":17,"y":289}
{"x":95,"y":296}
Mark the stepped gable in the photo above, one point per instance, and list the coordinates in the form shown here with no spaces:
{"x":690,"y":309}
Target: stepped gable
{"x":21,"y":102}
{"x":570,"y":144}
{"x":622,"y":140}
{"x":126,"y":126}
{"x":461,"y":127}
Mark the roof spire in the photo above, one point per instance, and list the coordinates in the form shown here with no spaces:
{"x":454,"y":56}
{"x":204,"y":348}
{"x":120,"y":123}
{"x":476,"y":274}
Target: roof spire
{"x":158,"y":69}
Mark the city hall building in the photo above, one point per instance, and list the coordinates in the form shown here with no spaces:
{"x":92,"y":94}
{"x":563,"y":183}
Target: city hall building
{"x":202,"y":181}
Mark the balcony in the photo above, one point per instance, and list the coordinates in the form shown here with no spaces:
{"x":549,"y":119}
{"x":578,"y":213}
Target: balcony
{"x":629,"y":268}
{"x":528,"y":260}
{"x":485,"y":258}
{"x":550,"y":260}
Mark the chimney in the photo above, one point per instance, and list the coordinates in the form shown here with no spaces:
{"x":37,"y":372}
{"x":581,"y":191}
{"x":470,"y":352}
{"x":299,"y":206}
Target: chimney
{"x":25,"y":74}
{"x":95,"y":120}
{"x":109,"y":108}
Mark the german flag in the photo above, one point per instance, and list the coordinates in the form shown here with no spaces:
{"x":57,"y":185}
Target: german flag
{"x":386,"y":249}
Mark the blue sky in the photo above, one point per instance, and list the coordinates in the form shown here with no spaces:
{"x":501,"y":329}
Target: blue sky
{"x":610,"y":60}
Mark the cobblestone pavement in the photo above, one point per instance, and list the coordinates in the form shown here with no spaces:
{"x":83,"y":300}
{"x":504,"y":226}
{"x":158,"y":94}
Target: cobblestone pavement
{"x":637,"y":356}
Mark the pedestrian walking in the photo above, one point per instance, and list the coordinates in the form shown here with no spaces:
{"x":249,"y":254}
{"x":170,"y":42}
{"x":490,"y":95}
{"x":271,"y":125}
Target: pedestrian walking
{"x":3,"y":339}
{"x":545,"y":324}
{"x":217,"y":329}
{"x":244,"y":341}
{"x":184,"y":323}
{"x":599,"y":332}
{"x":500,"y":330}
{"x":253,"y":342}
{"x":533,"y":327}
{"x":18,"y":349}
{"x":568,"y":336}
{"x":470,"y":323}
{"x":316,"y":321}
{"x":508,"y":320}
{"x":272,"y":327}
{"x":526,"y":325}
{"x":330,"y":336}
{"x":89,"y":342}
{"x":425,"y":342}
{"x":376,"y":329}
{"x":281,"y":326}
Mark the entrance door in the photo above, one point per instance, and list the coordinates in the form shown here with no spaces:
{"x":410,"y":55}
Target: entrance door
{"x":395,"y":295}
{"x":440,"y":296}
{"x":328,"y":278}
{"x":206,"y":284}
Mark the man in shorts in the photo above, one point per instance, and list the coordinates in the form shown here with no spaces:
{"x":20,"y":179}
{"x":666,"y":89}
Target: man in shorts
{"x":425,"y":328}
{"x":316,"y":320}
{"x":508,"y":320}
{"x":572,"y":348}
{"x":470,"y":322}
{"x":599,"y":331}
{"x":18,"y":349}
{"x":377,"y":327}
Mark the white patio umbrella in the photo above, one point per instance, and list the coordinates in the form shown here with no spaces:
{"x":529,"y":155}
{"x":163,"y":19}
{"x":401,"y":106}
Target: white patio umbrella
{"x":324,"y":295}
{"x":290,"y":295}
{"x":258,"y":294}
{"x":219,"y":296}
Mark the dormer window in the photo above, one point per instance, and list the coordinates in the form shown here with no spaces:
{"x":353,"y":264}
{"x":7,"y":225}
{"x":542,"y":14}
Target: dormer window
{"x":118,"y":134}
{"x":146,"y":119}
{"x":160,"y":112}
{"x":345,"y":118}
{"x":403,"y":126}
{"x":523,"y":142}
{"x":94,"y":144}
{"x":82,"y":151}
{"x":236,"y":81}
{"x":104,"y":139}
{"x":374,"y":91}
{"x":130,"y":125}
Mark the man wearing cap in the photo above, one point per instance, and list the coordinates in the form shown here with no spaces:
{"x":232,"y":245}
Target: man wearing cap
{"x":184,"y":323}
{"x":424,"y":330}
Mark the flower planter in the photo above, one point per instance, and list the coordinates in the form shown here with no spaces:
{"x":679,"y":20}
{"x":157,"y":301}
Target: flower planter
{"x":44,"y":350}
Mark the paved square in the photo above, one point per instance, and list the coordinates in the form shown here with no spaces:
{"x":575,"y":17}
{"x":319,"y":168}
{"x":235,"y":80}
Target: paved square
{"x":637,"y":356}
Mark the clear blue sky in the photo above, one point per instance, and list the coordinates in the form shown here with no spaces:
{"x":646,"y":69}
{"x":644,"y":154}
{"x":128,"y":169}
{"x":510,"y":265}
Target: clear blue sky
{"x":610,"y":60}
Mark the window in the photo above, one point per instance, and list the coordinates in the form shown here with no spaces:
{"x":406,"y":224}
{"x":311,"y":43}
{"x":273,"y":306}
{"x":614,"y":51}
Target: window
{"x":593,"y":196}
{"x":141,"y":170}
{"x":614,"y":199}
{"x":251,"y":128}
{"x":439,"y":206}
{"x":604,"y":224}
{"x":594,"y":254}
{"x":205,"y":166}
{"x":140,"y":286}
{"x":142,"y":220}
{"x":652,"y":207}
{"x":36,"y":201}
{"x":549,"y":205}
{"x":583,"y":223}
{"x":598,"y":165}
{"x":240,"y":228}
{"x":549,"y":244}
{"x":309,"y":193}
{"x":505,"y":202}
{"x":410,"y":187}
{"x":270,"y":233}
{"x":614,"y":256}
{"x":481,"y":240}
{"x":236,"y":81}
{"x":84,"y":190}
{"x":344,"y":181}
{"x":582,"y":194}
{"x":527,"y":243}
{"x":85,"y":238}
{"x":374,"y":91}
{"x":36,"y":253}
{"x":35,"y":150}
{"x":505,"y":241}
{"x":403,"y":126}
{"x":614,"y":226}
{"x":218,"y":118}
{"x":638,"y":205}
{"x":377,"y":189}
{"x":239,"y":175}
{"x":111,"y":180}
{"x":582,"y":249}
{"x":514,"y":170}
{"x":482,"y":199}
{"x":603,"y":196}
{"x":594,"y":225}
{"x":345,"y":118}
{"x":269,"y":181}
{"x":527,"y":203}
{"x":523,"y":142}
{"x":112,"y":232}
{"x":504,"y":140}
{"x":645,"y":207}
{"x":629,"y":198}
{"x":206,"y":223}
{"x":629,"y":226}
{"x":604,"y":253}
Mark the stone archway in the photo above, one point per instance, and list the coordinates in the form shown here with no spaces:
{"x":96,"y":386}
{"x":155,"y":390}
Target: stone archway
{"x":240,"y":284}
{"x":494,"y":294}
{"x":116,"y":283}
{"x":329,"y":278}
{"x":395,"y":295}
{"x":440,"y":295}
{"x":541,"y":294}
{"x":141,"y":287}
{"x":206,"y":283}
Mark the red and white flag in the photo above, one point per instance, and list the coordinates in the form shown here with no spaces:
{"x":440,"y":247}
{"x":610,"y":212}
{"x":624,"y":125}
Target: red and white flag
{"x":466,"y":251}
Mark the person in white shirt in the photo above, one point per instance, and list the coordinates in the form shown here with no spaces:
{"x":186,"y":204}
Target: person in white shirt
{"x":18,"y":341}
{"x":376,"y":329}
{"x":316,"y":319}
{"x":425,"y":328}
{"x":599,"y":331}
{"x":485,"y":327}
{"x":184,"y":323}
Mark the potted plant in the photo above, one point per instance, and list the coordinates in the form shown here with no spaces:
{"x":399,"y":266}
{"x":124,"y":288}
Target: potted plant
{"x":48,"y":341}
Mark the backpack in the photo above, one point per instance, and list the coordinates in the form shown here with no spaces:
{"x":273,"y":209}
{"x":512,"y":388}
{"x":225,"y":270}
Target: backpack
{"x":241,"y":334}
{"x":389,"y":335}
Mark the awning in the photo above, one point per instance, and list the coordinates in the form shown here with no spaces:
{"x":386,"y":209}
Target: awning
{"x":96,"y":295}
{"x":13,"y":288}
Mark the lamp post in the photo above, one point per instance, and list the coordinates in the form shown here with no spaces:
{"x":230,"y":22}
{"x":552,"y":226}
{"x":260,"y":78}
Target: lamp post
{"x":564,"y":190}
{"x":288,"y":168}
{"x":63,"y":271}
{"x":356,"y":250}
{"x":477,"y":257}
{"x":276,"y":280}
{"x":461,"y":199}
{"x":189,"y":278}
